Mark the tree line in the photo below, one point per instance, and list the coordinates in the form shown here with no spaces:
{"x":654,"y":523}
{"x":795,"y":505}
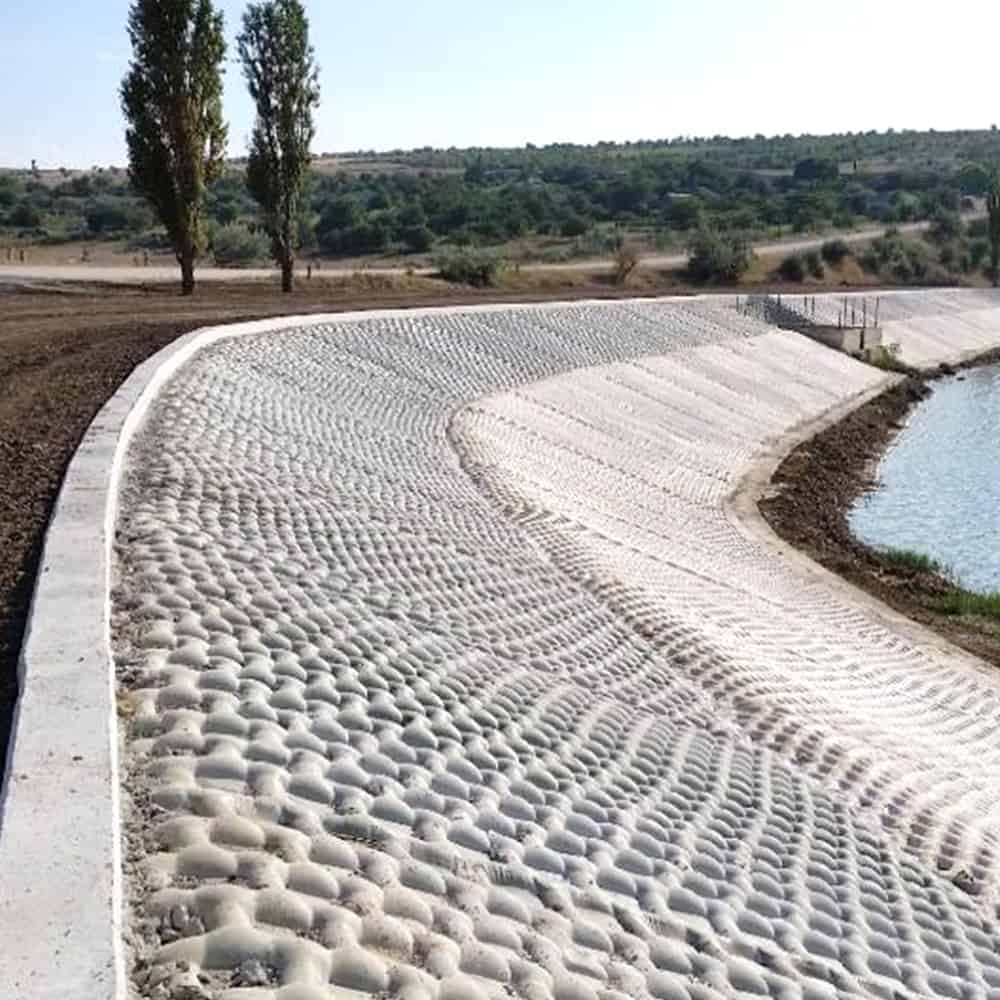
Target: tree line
{"x":566,"y":199}
{"x":176,"y":137}
{"x":175,"y":130}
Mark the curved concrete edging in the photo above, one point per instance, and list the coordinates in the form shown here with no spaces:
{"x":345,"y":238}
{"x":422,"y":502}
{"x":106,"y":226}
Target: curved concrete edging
{"x":743,"y":512}
{"x":61,"y":900}
{"x":61,"y":894}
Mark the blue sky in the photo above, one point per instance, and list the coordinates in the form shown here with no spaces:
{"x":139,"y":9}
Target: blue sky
{"x":406,"y":73}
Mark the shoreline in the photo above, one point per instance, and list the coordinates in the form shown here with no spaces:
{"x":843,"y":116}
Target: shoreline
{"x":810,"y":494}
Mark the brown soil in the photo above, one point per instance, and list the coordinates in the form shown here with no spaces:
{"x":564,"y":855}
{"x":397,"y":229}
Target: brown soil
{"x":818,"y":483}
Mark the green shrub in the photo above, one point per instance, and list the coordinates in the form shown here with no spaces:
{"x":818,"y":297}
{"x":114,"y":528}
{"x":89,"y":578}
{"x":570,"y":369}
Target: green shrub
{"x":946,"y":227}
{"x":965,"y":602}
{"x":471,"y":267}
{"x":107,"y":215}
{"x":887,"y":359}
{"x":369,"y":237}
{"x":815,"y":169}
{"x":908,"y":559}
{"x":979,"y":252}
{"x":717,"y":259}
{"x":236,"y":245}
{"x":626,"y":259}
{"x":574,"y":225}
{"x":25,"y":215}
{"x":814,"y":263}
{"x":417,"y":239}
{"x":895,"y":256}
{"x":306,"y":232}
{"x":952,"y":256}
{"x":792,"y":268}
{"x":835,"y":251}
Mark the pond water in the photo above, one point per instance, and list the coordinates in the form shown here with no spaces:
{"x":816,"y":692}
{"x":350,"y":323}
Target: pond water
{"x":940,"y":481}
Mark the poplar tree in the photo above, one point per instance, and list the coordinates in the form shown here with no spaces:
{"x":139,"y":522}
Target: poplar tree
{"x":281,"y":73}
{"x":172,"y":101}
{"x":993,"y":210}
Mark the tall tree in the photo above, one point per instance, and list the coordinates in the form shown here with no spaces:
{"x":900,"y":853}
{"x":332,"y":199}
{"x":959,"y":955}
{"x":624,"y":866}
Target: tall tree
{"x":993,"y":209}
{"x":283,"y":79}
{"x":172,"y":100}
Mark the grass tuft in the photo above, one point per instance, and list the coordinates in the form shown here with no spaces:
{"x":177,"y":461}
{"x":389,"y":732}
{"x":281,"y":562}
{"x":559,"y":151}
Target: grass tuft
{"x":888,"y":360}
{"x":917,"y":562}
{"x":965,"y":602}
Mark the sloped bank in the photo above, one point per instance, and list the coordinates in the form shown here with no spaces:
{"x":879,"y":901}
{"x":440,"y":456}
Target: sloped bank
{"x":444,"y":673}
{"x":449,"y":675}
{"x":817,"y":485}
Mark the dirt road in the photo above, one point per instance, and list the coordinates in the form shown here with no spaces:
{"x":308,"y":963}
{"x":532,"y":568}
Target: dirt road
{"x":33,"y":274}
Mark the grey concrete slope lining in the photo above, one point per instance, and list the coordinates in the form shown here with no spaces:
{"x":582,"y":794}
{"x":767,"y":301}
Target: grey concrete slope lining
{"x":930,"y":326}
{"x":346,"y":652}
{"x":882,"y":717}
{"x":451,"y":678}
{"x":60,"y":838}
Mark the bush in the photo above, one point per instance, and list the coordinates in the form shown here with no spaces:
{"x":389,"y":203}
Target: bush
{"x":908,"y":559}
{"x":626,"y":259}
{"x":814,"y":169}
{"x":574,"y":226}
{"x":108,"y":214}
{"x":306,"y":231}
{"x":471,"y":267}
{"x":946,"y":227}
{"x":717,"y":259}
{"x":24,"y":215}
{"x":835,"y":251}
{"x":953,"y":256}
{"x":893,"y":255}
{"x":417,"y":239}
{"x":814,"y":263}
{"x":237,"y":245}
{"x":793,"y":268}
{"x":368,"y":237}
{"x":979,"y":252}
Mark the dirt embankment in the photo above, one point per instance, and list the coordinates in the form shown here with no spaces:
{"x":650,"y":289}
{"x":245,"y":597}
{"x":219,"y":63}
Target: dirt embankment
{"x":818,"y":483}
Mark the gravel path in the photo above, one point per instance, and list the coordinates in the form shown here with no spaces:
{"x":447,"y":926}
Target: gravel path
{"x":446,"y":673}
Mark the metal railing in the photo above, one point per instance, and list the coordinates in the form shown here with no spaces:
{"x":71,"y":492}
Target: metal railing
{"x":850,"y":312}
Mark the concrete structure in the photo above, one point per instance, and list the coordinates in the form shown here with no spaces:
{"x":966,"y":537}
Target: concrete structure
{"x":856,"y":340}
{"x":856,"y":331}
{"x":453,"y":662}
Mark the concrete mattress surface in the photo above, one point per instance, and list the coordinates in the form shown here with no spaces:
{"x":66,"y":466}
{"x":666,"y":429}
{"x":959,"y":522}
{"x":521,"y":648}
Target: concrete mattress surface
{"x":448,"y":667}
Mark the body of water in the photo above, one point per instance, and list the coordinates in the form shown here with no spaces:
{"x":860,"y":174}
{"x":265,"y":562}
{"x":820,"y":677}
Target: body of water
{"x":940,"y":482}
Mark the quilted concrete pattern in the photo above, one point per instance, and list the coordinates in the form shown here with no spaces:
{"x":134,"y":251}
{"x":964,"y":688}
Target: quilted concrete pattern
{"x":446,"y":672}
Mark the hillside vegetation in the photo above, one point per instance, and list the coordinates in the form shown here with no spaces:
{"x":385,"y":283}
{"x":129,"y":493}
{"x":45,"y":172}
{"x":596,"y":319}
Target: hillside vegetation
{"x":554,"y":202}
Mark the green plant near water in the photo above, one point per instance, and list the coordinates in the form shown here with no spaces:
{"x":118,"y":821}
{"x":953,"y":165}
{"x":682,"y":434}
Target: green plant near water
{"x":956,"y":600}
{"x":887,"y":358}
{"x":959,"y":601}
{"x":918,"y":562}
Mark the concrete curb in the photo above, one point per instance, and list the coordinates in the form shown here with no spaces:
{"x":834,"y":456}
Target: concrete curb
{"x":61,"y":900}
